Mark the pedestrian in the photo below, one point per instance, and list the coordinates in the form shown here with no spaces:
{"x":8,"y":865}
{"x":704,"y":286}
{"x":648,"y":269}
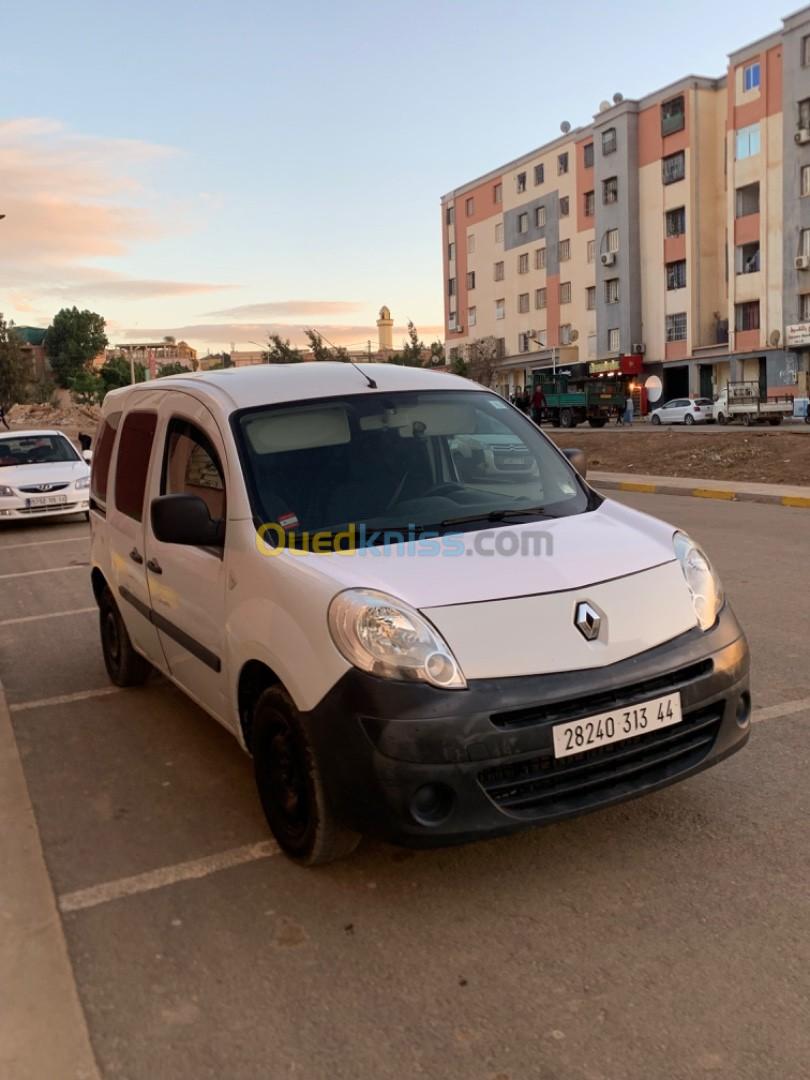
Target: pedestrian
{"x":628,"y":408}
{"x":3,"y":420}
{"x":538,"y":403}
{"x":619,"y":416}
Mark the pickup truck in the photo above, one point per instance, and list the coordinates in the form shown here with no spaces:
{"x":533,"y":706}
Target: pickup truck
{"x":744,"y":401}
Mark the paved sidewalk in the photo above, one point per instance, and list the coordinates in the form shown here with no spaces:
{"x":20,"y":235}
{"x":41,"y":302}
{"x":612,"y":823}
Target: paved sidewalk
{"x":729,"y":490}
{"x":43,"y":1035}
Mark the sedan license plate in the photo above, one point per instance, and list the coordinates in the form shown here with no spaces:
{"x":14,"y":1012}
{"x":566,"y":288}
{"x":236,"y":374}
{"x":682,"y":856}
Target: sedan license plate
{"x":46,"y":500}
{"x":579,"y":736}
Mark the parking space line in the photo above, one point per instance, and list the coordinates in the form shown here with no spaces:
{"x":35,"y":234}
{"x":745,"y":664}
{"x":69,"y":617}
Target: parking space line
{"x":166,"y":875}
{"x":63,"y":699}
{"x":42,"y":543}
{"x":48,"y":615}
{"x":776,"y":712}
{"x":49,"y":570}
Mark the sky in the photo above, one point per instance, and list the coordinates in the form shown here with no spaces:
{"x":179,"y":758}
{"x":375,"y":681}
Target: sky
{"x":222,"y":170}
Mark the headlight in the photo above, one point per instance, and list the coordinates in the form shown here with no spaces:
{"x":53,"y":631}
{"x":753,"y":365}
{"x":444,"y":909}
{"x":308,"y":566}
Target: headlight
{"x":6,"y":492}
{"x":387,"y":637}
{"x":83,"y":483}
{"x":703,"y":582}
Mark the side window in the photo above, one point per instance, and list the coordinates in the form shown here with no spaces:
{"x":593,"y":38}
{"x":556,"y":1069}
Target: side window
{"x":132,"y":465}
{"x":191,"y":466}
{"x":100,"y":469}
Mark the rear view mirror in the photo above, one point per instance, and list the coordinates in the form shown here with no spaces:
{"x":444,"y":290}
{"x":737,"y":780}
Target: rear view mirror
{"x":87,"y":455}
{"x":184,"y":519}
{"x":579,"y":459}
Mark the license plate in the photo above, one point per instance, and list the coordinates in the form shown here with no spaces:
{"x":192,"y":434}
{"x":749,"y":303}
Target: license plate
{"x":579,"y":736}
{"x":46,"y":500}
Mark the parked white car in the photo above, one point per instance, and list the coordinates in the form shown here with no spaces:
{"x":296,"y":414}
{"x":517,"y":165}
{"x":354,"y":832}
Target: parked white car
{"x":404,"y":651}
{"x":684,"y":411}
{"x":41,"y":475}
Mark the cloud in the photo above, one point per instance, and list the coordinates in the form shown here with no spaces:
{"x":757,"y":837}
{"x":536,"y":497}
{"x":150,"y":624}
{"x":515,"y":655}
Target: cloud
{"x":245,"y":335}
{"x":117,"y":287}
{"x":273,"y":309}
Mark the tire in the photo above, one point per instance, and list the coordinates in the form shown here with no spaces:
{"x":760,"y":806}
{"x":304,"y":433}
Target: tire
{"x":746,"y":419}
{"x":597,"y":423}
{"x":124,"y":666}
{"x":775,"y":421}
{"x":566,"y":418}
{"x":721,"y":418}
{"x":689,"y":419}
{"x":290,"y":786}
{"x":656,"y":420}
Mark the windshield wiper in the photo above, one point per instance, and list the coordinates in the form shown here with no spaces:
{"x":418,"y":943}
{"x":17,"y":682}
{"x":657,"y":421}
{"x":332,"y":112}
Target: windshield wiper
{"x":496,"y":515}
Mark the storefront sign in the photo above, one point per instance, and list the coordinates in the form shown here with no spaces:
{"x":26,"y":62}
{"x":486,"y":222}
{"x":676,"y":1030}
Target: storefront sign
{"x":602,"y":367}
{"x":624,"y":365}
{"x":798,"y":334}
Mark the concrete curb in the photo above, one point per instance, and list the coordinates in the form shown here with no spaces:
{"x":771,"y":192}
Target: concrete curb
{"x":43,"y":1032}
{"x":702,"y":490}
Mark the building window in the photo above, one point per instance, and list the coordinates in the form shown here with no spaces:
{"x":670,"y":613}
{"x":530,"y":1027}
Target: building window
{"x":805,"y":178}
{"x":804,"y":114}
{"x":673,"y":116}
{"x":591,"y":253}
{"x":565,"y":292}
{"x":612,"y":290}
{"x":497,"y":193}
{"x":747,"y":142}
{"x":540,"y":217}
{"x":676,"y":275}
{"x":565,"y":206}
{"x":673,"y":167}
{"x":806,"y":51}
{"x":523,"y":303}
{"x":500,"y":309}
{"x":450,"y":215}
{"x":451,"y":287}
{"x":539,"y":175}
{"x":499,"y":232}
{"x":590,"y":297}
{"x":523,"y":263}
{"x":746,"y":258}
{"x":751,"y":77}
{"x":451,"y":252}
{"x":540,"y":258}
{"x":590,"y":203}
{"x":471,"y":279}
{"x":471,"y":244}
{"x":539,"y":298}
{"x":562,"y":164}
{"x":565,"y":334}
{"x":469,"y":207}
{"x":747,"y":200}
{"x":610,"y":190}
{"x":523,"y":223}
{"x":608,"y":140}
{"x":746,"y":316}
{"x":612,"y":237}
{"x":587,"y":155}
{"x":523,"y":342}
{"x":471,"y":316}
{"x":614,"y":340}
{"x":451,"y":321}
{"x":804,"y":307}
{"x":676,"y":327}
{"x":804,"y":242}
{"x":564,"y":250}
{"x":675,"y":221}
{"x":521,"y":182}
{"x":499,"y":271}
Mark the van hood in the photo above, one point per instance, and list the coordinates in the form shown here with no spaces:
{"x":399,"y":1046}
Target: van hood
{"x":551,"y":556}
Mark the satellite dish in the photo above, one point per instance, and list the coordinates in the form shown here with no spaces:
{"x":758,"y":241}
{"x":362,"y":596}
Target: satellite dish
{"x":654,"y":388}
{"x":604,"y":106}
{"x":618,"y":99}
{"x":565,"y":127}
{"x":573,"y":335}
{"x":774,"y":338}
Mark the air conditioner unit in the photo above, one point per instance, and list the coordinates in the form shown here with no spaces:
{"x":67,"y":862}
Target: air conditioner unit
{"x":802,"y":262}
{"x":608,"y":259}
{"x":640,"y":349}
{"x":531,"y":334}
{"x":802,"y":136}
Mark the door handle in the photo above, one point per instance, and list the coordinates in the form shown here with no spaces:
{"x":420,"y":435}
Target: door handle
{"x":154,"y":566}
{"x":136,"y":556}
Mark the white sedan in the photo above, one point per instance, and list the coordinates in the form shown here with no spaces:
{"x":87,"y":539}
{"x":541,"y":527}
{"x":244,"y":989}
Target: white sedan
{"x":42,"y":475}
{"x":684,"y":411}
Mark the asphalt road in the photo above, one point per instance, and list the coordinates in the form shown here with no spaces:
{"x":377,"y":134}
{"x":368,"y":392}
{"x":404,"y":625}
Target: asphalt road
{"x":666,"y":938}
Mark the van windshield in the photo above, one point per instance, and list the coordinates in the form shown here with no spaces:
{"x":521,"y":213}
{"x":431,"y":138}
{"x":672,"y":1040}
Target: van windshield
{"x":407,"y":461}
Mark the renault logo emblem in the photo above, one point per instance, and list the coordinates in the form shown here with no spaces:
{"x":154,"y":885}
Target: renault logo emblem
{"x":588,"y":620}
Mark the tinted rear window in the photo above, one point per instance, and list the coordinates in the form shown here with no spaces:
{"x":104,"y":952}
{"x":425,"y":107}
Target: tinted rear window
{"x":132,"y":465}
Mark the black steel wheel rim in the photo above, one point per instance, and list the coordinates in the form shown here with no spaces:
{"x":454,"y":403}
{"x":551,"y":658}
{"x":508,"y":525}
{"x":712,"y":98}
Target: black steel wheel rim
{"x":112,"y":638}
{"x":288,"y":790}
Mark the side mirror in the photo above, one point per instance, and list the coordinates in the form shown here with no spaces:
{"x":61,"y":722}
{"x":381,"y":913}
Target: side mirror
{"x":184,"y":519}
{"x":579,"y":459}
{"x":87,"y":455}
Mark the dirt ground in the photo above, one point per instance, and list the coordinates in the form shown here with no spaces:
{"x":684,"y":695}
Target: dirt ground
{"x":757,"y":455}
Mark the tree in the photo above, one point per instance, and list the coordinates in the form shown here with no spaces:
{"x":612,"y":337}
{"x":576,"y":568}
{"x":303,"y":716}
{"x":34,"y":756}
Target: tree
{"x":322,"y":351}
{"x":459,"y":366}
{"x":483,"y":356}
{"x":73,"y":339}
{"x":413,"y":349}
{"x":115,"y":372}
{"x":280,"y":351}
{"x":87,"y":387}
{"x":14,"y":366}
{"x":437,"y":357}
{"x":174,"y":368}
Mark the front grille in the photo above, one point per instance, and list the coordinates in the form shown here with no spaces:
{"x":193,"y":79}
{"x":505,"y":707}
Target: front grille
{"x":604,"y":700}
{"x":55,"y":508}
{"x":42,"y":489}
{"x":546,"y":786}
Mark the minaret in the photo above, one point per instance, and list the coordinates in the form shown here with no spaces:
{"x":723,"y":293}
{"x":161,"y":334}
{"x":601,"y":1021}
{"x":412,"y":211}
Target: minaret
{"x":385,"y":331}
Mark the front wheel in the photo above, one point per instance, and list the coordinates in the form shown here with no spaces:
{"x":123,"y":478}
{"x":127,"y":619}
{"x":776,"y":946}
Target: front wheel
{"x":656,"y":420}
{"x":721,"y":418}
{"x":124,"y":666}
{"x":291,"y":790}
{"x":746,"y":419}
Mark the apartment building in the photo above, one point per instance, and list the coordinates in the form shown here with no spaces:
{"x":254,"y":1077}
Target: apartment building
{"x":670,"y":236}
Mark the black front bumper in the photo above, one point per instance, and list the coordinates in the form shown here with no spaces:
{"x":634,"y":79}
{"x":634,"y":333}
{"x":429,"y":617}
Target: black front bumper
{"x":490,"y":746}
